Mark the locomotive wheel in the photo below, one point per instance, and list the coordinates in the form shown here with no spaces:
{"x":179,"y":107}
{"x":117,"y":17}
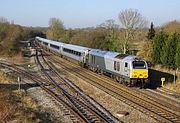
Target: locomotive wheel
{"x":117,"y":78}
{"x":100,"y":71}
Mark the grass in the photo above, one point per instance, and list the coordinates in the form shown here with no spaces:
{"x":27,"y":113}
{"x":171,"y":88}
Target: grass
{"x":4,"y":78}
{"x":170,"y":84}
{"x":7,"y":108}
{"x":17,"y":58}
{"x":17,"y":106}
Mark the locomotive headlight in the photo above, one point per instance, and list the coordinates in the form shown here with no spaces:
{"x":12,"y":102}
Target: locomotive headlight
{"x":145,"y":76}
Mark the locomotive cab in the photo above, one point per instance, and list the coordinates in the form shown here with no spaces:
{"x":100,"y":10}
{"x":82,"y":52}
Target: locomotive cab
{"x":139,"y":72}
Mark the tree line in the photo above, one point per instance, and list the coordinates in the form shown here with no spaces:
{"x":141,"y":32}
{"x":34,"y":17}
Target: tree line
{"x":106,"y":36}
{"x":166,"y":49}
{"x":11,"y":34}
{"x":163,"y":45}
{"x":157,"y":45}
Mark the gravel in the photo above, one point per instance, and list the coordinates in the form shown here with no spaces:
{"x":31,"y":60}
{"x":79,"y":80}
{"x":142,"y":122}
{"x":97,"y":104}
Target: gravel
{"x":111,"y":104}
{"x":49,"y":105}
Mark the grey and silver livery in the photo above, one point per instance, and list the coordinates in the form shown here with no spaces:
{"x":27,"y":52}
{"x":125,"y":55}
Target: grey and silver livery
{"x":125,"y":68}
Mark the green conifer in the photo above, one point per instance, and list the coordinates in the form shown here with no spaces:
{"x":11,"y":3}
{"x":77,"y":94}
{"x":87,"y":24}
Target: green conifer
{"x":169,"y":50}
{"x":177,"y":57}
{"x":158,"y":43}
{"x":151,"y":32}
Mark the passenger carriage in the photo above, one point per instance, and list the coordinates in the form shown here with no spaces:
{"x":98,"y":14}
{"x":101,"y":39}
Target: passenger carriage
{"x":52,"y":45}
{"x":78,"y":53}
{"x":128,"y":69}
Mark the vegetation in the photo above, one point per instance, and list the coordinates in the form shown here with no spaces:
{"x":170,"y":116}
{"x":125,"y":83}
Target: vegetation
{"x":177,"y":57}
{"x":11,"y":34}
{"x":169,"y":50}
{"x":165,"y":50}
{"x":171,"y":27}
{"x":131,"y":20}
{"x":157,"y":46}
{"x":151,"y":32}
{"x":56,"y":29}
{"x":106,"y":36}
{"x":16,"y":106}
{"x":160,"y":45}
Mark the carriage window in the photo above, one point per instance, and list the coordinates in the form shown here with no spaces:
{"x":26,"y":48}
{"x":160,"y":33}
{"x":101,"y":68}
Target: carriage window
{"x":93,"y":59}
{"x":114,"y":65}
{"x":72,"y":51}
{"x":126,"y":64}
{"x":79,"y":54}
{"x":54,"y":46}
{"x":45,"y":43}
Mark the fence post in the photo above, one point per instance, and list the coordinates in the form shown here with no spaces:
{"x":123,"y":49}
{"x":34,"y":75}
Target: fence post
{"x":19,"y":82}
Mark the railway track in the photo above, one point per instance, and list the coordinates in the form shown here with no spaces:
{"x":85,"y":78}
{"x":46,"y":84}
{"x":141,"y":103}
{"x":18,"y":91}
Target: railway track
{"x":142,"y":102}
{"x":79,"y":111}
{"x":85,"y":108}
{"x":42,"y":83}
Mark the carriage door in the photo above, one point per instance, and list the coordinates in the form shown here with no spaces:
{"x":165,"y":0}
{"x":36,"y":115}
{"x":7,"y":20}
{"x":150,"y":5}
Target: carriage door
{"x":126,"y":68}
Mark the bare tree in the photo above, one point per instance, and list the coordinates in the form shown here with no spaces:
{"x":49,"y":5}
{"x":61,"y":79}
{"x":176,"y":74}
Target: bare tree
{"x":131,"y":20}
{"x":3,"y":20}
{"x":56,"y":29}
{"x":109,"y":24}
{"x":111,"y":29}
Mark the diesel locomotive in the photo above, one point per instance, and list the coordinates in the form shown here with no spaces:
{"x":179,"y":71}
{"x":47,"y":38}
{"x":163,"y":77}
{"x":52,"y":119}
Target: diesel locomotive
{"x":124,"y":68}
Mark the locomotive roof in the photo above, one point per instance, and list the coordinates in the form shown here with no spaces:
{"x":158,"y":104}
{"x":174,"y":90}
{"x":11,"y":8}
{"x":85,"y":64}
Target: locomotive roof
{"x":109,"y":54}
{"x":130,"y":58}
{"x":121,"y":56}
{"x":102,"y":53}
{"x":76,"y":47}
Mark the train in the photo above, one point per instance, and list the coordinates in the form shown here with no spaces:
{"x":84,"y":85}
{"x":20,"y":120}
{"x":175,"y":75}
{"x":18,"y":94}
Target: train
{"x":128,"y":69}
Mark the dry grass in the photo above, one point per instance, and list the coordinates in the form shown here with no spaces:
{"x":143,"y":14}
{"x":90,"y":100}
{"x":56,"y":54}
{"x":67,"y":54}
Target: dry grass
{"x":170,"y":85}
{"x":7,"y":108}
{"x":29,"y":102}
{"x":18,"y":58}
{"x":16,"y":106}
{"x":4,"y":78}
{"x":173,"y":87}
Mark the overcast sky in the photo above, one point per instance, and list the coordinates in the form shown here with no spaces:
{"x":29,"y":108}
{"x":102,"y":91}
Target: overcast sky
{"x":85,"y":13}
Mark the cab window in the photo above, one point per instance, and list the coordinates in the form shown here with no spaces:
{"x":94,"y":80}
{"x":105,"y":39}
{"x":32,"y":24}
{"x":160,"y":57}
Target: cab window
{"x":139,"y":65}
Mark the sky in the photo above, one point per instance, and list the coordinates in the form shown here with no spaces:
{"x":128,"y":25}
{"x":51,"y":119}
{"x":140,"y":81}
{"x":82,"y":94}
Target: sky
{"x":86,"y":13}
